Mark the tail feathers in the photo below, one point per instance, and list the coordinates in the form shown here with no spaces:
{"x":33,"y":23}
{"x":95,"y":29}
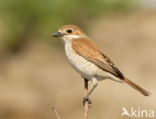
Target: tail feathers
{"x":135,"y":86}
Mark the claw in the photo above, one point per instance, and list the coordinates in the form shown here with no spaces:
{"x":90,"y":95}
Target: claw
{"x":86,"y":100}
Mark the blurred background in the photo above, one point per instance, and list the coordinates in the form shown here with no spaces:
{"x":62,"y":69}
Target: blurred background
{"x":35,"y":74}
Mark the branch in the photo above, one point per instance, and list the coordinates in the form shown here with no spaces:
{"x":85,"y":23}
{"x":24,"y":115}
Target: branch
{"x":57,"y":115}
{"x":86,"y":103}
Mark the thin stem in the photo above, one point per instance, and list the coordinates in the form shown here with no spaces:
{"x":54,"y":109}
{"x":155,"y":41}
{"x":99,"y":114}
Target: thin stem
{"x":86,"y":103}
{"x":57,"y":115}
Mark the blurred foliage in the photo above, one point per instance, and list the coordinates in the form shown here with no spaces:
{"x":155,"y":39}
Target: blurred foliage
{"x":38,"y":19}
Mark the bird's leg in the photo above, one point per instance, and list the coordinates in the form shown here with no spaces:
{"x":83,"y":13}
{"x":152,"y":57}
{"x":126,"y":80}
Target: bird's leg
{"x":94,"y":81}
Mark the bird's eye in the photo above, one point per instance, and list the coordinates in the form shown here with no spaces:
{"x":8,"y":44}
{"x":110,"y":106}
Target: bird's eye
{"x":69,"y":31}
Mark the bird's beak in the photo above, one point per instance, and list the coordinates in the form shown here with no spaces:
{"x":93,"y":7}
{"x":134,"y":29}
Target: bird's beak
{"x":57,"y":34}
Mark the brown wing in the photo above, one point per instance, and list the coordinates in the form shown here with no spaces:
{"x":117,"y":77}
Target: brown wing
{"x":87,"y":49}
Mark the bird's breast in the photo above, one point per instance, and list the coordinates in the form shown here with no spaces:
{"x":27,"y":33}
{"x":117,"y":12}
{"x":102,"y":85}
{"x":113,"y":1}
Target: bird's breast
{"x":80,"y":64}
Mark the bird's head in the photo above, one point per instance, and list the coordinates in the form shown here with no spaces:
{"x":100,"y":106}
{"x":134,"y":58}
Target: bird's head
{"x":69,"y":32}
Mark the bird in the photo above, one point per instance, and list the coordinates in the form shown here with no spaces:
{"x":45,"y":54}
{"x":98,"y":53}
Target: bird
{"x":89,"y":60}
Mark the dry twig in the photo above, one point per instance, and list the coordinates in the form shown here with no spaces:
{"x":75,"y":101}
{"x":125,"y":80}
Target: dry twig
{"x":57,"y":115}
{"x":86,"y":103}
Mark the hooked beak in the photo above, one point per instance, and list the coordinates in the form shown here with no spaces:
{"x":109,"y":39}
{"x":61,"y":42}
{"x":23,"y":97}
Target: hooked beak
{"x":57,"y":34}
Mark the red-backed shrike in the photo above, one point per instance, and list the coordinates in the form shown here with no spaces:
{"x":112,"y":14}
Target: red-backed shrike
{"x":89,"y":60}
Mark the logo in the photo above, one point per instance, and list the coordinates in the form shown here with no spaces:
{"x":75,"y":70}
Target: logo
{"x":137,"y":112}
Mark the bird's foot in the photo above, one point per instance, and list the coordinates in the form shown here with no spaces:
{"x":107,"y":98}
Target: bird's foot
{"x":85,"y":99}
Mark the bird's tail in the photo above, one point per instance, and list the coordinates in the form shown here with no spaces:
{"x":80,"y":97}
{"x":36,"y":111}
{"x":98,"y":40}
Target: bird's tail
{"x":135,"y":86}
